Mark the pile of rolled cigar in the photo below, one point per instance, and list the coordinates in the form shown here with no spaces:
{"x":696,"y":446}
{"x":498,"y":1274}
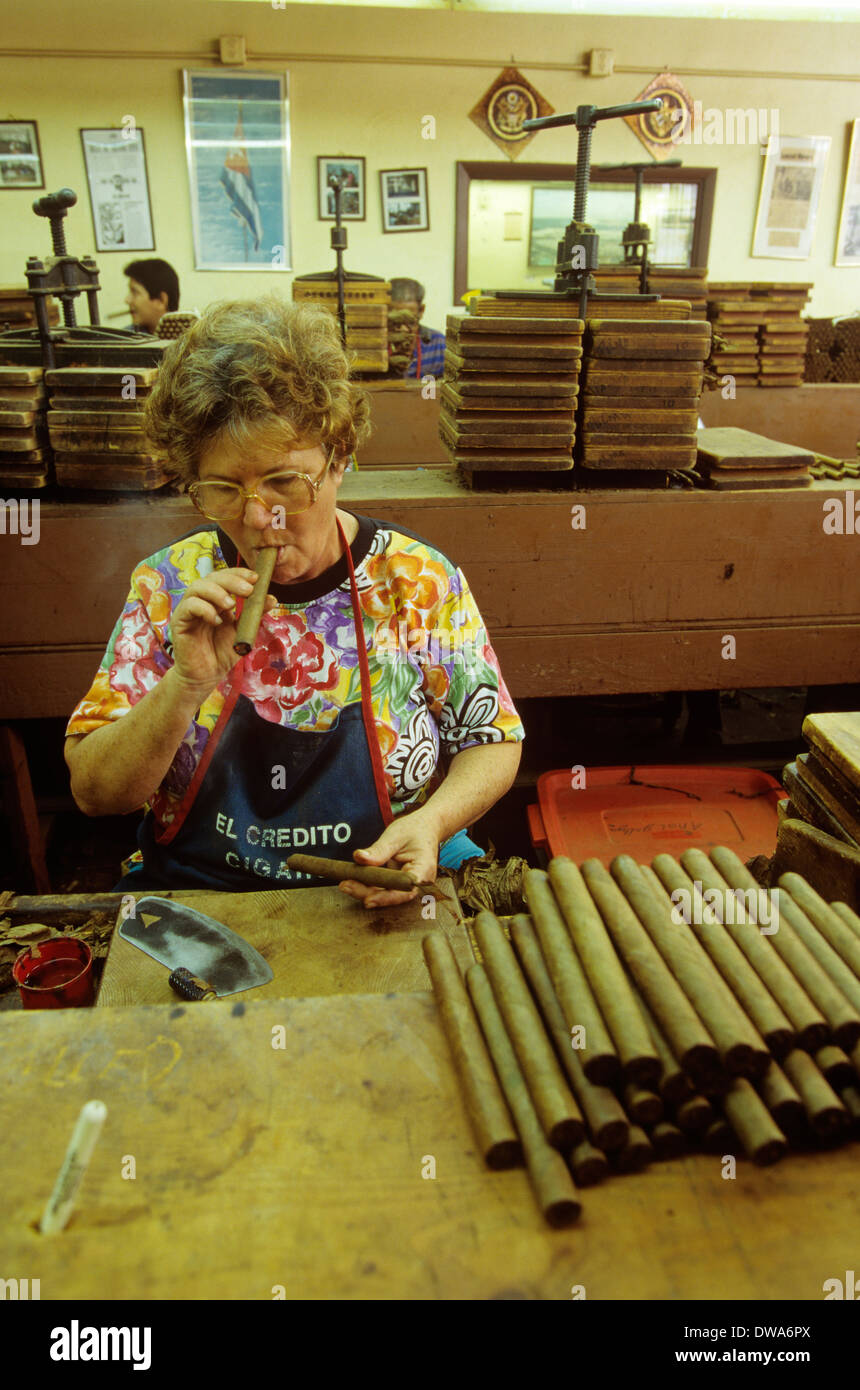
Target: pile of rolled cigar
{"x":637,"y":1012}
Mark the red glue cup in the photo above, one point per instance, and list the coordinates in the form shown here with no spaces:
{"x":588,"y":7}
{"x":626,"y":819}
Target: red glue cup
{"x":56,"y":974}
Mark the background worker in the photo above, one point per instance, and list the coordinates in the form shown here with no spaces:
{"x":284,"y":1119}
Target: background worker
{"x":428,"y":356}
{"x":153,"y":290}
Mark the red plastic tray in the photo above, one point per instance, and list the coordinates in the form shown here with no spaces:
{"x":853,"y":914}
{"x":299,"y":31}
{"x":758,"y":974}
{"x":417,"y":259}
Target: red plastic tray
{"x":645,"y":811}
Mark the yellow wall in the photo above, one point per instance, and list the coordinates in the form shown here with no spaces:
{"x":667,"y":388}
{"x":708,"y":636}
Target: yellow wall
{"x":374,"y":108}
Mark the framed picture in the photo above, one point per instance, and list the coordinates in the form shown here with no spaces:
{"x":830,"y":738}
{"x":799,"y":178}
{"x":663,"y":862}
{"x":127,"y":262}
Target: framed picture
{"x":404,"y":200}
{"x":348,"y":170}
{"x":20,"y":155}
{"x":237,"y":140}
{"x":119,"y":190}
{"x":848,"y":238}
{"x":790,"y":193}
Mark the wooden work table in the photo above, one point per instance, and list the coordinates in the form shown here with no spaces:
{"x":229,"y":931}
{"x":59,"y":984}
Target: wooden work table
{"x":317,"y":941}
{"x":639,"y":600}
{"x":300,"y":1166}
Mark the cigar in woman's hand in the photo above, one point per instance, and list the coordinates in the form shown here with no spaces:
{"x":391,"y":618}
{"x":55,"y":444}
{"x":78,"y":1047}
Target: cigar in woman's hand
{"x":252,"y":610}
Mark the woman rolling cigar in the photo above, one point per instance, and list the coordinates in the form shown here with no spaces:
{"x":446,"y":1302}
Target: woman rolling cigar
{"x":316,"y":723}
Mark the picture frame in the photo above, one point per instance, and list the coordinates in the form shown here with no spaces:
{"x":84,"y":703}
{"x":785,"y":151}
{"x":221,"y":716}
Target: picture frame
{"x":848,"y":236}
{"x":350,"y":168}
{"x":791,"y":184}
{"x":20,"y":156}
{"x":237,"y":142}
{"x":405,"y":205}
{"x":115,"y":161}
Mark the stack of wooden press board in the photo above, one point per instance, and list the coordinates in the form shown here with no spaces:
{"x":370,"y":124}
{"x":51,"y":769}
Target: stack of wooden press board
{"x":732,"y":459}
{"x":641,"y":377}
{"x":689,"y":283}
{"x":490,"y":305}
{"x":95,"y":421}
{"x":763,"y":332}
{"x":366,"y":303}
{"x":508,"y":398}
{"x":17,"y":311}
{"x":24,"y":456}
{"x":641,"y":385}
{"x":824,"y":782}
{"x":651,"y":1009}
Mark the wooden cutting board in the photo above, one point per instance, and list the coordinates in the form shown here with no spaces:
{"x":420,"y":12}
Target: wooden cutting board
{"x":103,"y":441}
{"x":829,"y":773}
{"x":489,"y":419}
{"x":728,"y":480}
{"x":99,"y":399}
{"x":650,"y":441}
{"x":471,"y":326}
{"x":830,"y":865}
{"x":549,"y":351}
{"x":638,"y":456}
{"x":638,"y":377}
{"x":316,"y":940}
{"x":666,"y":421}
{"x":508,"y":439}
{"x":20,"y":397}
{"x":559,"y":388}
{"x":692,"y":331}
{"x":97,"y":377}
{"x":19,"y":376}
{"x":35,"y":477}
{"x":109,"y":472}
{"x":806,"y":805}
{"x":14,"y":441}
{"x":457,"y":365}
{"x":513,"y":460}
{"x":643,"y":350}
{"x":725,"y":446}
{"x":90,"y":419}
{"x":837,"y":736}
{"x":465,"y":406}
{"x":514,"y":432}
{"x":845,"y":815}
{"x":608,"y":401}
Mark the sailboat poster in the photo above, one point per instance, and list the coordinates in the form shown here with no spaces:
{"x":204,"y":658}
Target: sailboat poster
{"x":237,"y":140}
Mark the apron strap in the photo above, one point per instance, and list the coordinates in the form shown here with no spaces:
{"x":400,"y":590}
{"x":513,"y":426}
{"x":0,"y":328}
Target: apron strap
{"x":165,"y":834}
{"x":366,"y":703}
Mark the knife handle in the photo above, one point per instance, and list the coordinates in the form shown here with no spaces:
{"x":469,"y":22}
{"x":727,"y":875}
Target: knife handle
{"x":190,"y":986}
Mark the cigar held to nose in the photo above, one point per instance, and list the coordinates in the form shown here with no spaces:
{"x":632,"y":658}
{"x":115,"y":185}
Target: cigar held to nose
{"x":252,"y":610}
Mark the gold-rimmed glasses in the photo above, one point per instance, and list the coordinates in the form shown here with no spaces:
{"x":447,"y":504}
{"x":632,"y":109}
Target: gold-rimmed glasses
{"x":291,"y":492}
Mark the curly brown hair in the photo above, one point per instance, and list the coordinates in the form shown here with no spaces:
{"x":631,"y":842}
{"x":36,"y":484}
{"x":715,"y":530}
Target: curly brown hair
{"x":261,"y":368}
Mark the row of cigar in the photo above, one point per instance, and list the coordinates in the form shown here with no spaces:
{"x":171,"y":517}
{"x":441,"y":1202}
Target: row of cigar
{"x":638,"y":1010}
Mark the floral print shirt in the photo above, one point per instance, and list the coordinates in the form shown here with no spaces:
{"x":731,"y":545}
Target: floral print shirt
{"x":435,"y":681}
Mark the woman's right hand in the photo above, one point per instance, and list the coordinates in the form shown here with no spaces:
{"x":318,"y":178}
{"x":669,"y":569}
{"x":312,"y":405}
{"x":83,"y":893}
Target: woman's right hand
{"x":203,"y":627}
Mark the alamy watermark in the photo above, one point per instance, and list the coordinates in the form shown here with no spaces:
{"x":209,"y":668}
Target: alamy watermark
{"x":732,"y":125}
{"x":726,"y":906}
{"x":431,"y":646}
{"x":20,"y":518}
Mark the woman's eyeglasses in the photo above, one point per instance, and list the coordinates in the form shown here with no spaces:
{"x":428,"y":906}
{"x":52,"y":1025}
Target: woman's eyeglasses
{"x":292,"y":492}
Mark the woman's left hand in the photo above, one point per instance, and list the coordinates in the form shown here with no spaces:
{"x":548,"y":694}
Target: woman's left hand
{"x":412,"y":843}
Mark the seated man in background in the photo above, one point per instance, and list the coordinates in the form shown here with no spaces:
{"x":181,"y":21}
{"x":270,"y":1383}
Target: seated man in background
{"x":153,"y":290}
{"x":428,"y":356}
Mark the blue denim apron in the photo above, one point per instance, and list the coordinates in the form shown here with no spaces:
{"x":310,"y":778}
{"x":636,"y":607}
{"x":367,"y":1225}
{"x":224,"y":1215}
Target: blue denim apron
{"x":261,"y":792}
